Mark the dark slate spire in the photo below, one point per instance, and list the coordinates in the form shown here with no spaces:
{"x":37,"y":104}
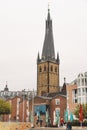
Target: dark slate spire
{"x":48,"y":52}
{"x":38,"y":58}
{"x":58,"y":60}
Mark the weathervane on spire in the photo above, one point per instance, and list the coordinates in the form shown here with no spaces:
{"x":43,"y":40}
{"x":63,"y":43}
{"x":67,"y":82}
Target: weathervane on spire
{"x":48,"y":6}
{"x":48,"y":11}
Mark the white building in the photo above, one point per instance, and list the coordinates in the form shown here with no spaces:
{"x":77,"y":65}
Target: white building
{"x":80,"y":94}
{"x":5,"y":94}
{"x":82,"y":88}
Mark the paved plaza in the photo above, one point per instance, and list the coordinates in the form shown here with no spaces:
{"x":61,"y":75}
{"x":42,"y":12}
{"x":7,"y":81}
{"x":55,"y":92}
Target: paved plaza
{"x":14,"y":126}
{"x":27,"y":126}
{"x":60,"y":128}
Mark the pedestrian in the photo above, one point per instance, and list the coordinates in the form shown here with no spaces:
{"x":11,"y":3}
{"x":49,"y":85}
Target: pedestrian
{"x":61,"y":122}
{"x":68,"y":126}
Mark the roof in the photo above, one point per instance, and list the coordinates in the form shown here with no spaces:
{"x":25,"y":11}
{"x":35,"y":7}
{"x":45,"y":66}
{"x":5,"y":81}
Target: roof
{"x":44,"y":97}
{"x":48,"y":52}
{"x":6,"y":88}
{"x":52,"y":95}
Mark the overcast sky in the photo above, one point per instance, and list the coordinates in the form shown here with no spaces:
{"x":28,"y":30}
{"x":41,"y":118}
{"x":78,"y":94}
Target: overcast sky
{"x":22,"y":31}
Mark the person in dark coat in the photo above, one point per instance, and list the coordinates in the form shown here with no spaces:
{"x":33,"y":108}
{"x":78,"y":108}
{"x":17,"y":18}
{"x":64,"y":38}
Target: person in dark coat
{"x":69,"y":126}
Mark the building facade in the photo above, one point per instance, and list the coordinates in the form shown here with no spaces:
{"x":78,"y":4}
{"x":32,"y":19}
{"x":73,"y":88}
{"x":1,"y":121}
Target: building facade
{"x":77,"y":92}
{"x":34,"y":110}
{"x":48,"y":105}
{"x":14,"y":106}
{"x":7,"y":94}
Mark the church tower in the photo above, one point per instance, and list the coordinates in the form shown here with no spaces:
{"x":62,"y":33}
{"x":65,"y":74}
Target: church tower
{"x":48,"y":65}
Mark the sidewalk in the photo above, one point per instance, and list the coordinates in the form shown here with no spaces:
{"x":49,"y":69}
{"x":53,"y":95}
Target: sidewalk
{"x":14,"y":126}
{"x":59,"y":128}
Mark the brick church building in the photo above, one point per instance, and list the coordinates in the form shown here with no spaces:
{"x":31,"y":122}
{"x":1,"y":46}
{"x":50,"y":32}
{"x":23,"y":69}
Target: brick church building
{"x":49,"y":101}
{"x":48,"y":76}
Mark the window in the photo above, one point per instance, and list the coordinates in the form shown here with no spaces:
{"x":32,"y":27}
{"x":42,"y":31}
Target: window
{"x":79,"y":92}
{"x":83,"y":91}
{"x":40,"y":69}
{"x":82,"y":82}
{"x":44,"y":68}
{"x":57,"y":101}
{"x":78,"y":82}
{"x":55,"y":69}
{"x":85,"y":81}
{"x":75,"y":93}
{"x":57,"y":112}
{"x":75,"y":101}
{"x":51,"y":68}
{"x":86,"y":90}
{"x":79,"y":100}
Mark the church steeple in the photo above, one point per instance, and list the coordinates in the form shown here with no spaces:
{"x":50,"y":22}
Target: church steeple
{"x":57,"y":60}
{"x":48,"y":65}
{"x":38,"y":58}
{"x":48,"y":52}
{"x":48,"y":17}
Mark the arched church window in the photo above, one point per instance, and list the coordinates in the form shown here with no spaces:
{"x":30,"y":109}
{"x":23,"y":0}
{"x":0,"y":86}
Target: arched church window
{"x":55,"y":69}
{"x":44,"y":68}
{"x":51,"y":68}
{"x":40,"y":69}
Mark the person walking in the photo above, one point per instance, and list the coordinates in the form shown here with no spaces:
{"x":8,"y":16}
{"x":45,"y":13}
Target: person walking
{"x":69,"y":126}
{"x":61,"y":122}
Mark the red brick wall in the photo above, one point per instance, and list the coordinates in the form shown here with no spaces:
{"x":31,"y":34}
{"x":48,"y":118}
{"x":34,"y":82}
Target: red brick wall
{"x":13,"y":102}
{"x":23,"y":111}
{"x":37,"y":101}
{"x":70,"y":99}
{"x":62,"y":106}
